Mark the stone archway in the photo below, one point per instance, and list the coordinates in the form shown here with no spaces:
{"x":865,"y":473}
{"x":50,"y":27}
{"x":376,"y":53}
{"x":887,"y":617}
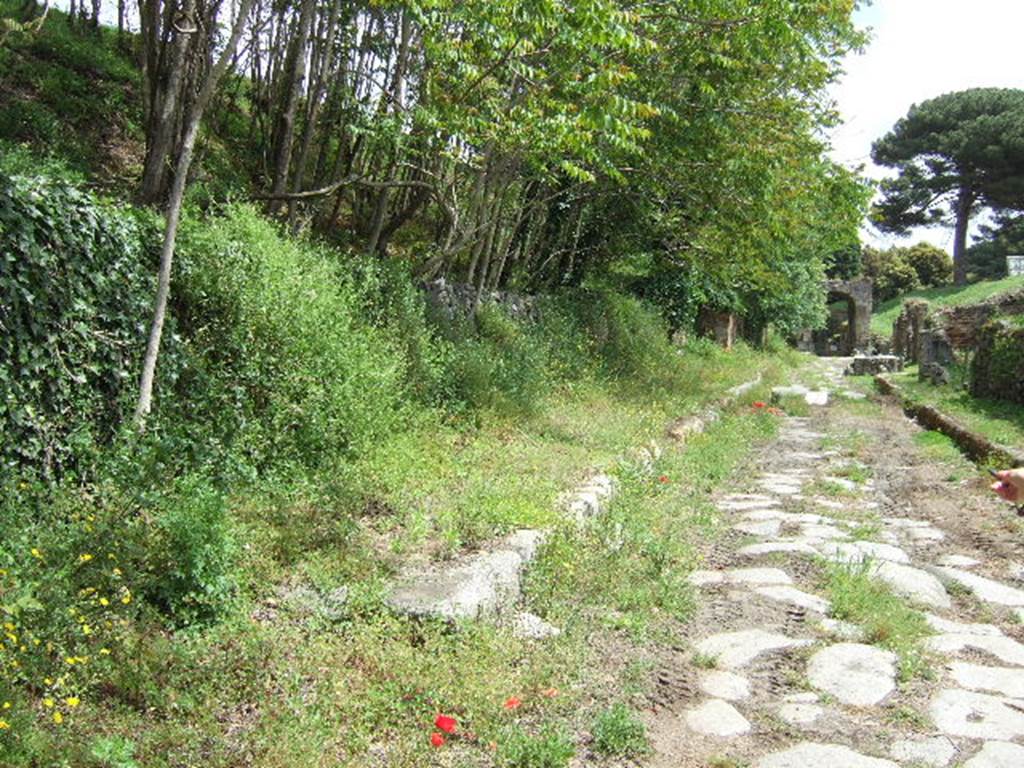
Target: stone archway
{"x":856,"y":337}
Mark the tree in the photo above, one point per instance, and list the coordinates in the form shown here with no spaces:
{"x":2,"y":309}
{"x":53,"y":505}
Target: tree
{"x":954,"y":155}
{"x":889,"y":271}
{"x":1004,"y":237}
{"x":183,"y":163}
{"x":932,"y":264}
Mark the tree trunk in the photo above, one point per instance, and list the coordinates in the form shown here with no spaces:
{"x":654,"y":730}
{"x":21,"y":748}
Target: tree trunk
{"x":964,"y":204}
{"x":296,"y":69}
{"x":184,"y":163}
{"x":161,"y":129}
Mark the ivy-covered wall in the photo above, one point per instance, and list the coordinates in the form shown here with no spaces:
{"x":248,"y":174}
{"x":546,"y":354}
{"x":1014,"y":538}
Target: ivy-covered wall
{"x":997,"y":369}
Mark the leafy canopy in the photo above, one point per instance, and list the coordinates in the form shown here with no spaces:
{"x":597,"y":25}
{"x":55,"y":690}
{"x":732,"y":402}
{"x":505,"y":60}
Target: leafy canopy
{"x":968,"y":142}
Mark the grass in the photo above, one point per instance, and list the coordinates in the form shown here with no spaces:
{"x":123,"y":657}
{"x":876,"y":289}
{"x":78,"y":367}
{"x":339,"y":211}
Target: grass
{"x":999,"y":421}
{"x":617,"y":732}
{"x":946,"y":296}
{"x":887,"y":620}
{"x":281,"y":688}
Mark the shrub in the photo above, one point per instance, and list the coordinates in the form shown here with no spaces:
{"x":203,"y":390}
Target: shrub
{"x":932,"y":264}
{"x":190,"y":553}
{"x":549,"y":749}
{"x":68,"y":577}
{"x":497,"y":363}
{"x":281,"y":364}
{"x":891,"y":273}
{"x":618,"y":732}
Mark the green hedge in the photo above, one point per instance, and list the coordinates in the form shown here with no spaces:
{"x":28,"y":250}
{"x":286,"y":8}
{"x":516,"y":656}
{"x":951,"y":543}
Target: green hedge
{"x":75,"y":295}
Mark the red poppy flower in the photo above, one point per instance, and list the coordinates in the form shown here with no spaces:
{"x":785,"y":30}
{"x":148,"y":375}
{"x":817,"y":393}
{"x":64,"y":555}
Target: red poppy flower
{"x":512,"y":703}
{"x":436,"y":740}
{"x":758,"y":404}
{"x":445,"y":723}
{"x":663,"y":479}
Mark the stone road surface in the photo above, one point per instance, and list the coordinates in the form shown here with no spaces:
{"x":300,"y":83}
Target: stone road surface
{"x":780,"y":684}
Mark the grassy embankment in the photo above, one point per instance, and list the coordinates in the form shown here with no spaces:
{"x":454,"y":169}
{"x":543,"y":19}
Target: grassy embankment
{"x":946,"y":296}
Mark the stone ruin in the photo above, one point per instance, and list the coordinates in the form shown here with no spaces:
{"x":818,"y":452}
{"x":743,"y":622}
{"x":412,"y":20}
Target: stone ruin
{"x":856,"y":331}
{"x":454,"y":300}
{"x":723,"y":327}
{"x":932,"y":339}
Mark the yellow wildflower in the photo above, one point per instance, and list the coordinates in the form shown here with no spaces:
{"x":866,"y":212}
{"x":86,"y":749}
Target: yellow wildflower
{"x":69,"y":659}
{"x":104,"y":651}
{"x":86,"y":629}
{"x":48,"y":680}
{"x":35,"y":552}
{"x":72,"y":701}
{"x":7,"y":705}
{"x":116,"y":571}
{"x":4,"y":725}
{"x":58,"y":718}
{"x":48,"y":702}
{"x":104,"y":602}
{"x":84,"y":558}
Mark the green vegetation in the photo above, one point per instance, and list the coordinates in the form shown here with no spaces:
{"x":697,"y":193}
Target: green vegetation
{"x":1000,"y":421}
{"x":887,"y":619}
{"x":202,"y":580}
{"x":618,"y":732}
{"x":946,"y":296}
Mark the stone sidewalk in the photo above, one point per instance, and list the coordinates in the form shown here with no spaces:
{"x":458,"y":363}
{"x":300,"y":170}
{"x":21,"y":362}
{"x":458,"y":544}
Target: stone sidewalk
{"x":782,"y":685}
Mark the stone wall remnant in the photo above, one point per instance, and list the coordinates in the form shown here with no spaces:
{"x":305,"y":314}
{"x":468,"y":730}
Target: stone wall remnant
{"x":455,"y":300}
{"x":872,"y":365}
{"x":963,"y":324}
{"x":906,"y":331}
{"x":997,"y":368}
{"x":857,"y":294}
{"x":723,"y":327}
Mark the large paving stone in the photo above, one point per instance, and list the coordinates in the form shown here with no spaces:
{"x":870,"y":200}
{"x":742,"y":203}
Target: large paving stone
{"x":935,"y":752}
{"x":737,"y":649}
{"x":725,"y":685}
{"x":811,"y":755}
{"x":975,"y":715}
{"x":975,"y":677}
{"x":859,"y":551}
{"x":760,"y":527}
{"x":470,"y":587}
{"x":740,"y":576}
{"x":794,"y":596}
{"x":856,"y":674}
{"x":746,"y":501}
{"x":1005,"y":649}
{"x":770,"y":547}
{"x":948,"y":626}
{"x":984,"y":589}
{"x":801,"y":709}
{"x":717,"y":718}
{"x":997,"y":754}
{"x":920,"y":586}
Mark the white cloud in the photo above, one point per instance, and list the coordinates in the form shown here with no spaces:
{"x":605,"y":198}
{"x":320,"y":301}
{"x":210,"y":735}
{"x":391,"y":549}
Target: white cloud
{"x":921,"y":49}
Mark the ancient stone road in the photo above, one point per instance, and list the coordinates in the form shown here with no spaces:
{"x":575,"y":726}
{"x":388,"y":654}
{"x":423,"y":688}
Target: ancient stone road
{"x":780,"y":684}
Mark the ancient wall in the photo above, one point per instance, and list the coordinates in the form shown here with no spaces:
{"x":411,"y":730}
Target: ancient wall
{"x":997,"y":368}
{"x":906,"y":331}
{"x":858,"y":292}
{"x":723,"y":327}
{"x":963,"y":324}
{"x":452,"y":300}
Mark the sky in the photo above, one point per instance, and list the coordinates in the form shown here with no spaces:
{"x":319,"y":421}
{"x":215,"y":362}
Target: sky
{"x":920,"y":49}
